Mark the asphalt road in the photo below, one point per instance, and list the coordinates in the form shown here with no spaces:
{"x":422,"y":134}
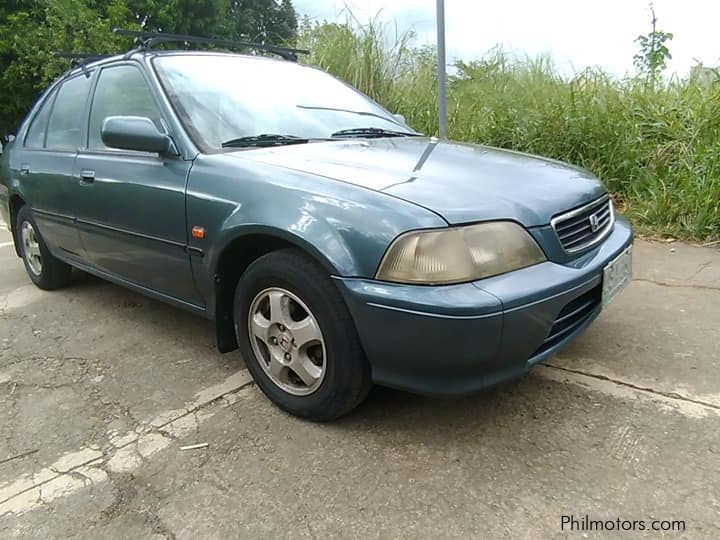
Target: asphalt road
{"x":105,"y":388}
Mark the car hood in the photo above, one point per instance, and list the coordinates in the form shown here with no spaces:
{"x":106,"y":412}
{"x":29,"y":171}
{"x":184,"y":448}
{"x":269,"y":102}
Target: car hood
{"x":461,"y":182}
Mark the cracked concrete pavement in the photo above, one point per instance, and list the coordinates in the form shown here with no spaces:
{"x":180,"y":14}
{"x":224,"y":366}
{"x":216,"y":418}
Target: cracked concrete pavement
{"x":100,"y":390}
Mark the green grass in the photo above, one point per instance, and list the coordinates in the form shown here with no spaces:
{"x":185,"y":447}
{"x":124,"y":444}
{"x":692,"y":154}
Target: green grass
{"x":657,"y":147}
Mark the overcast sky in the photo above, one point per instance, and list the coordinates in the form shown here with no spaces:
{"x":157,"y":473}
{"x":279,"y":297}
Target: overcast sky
{"x":578,"y":33}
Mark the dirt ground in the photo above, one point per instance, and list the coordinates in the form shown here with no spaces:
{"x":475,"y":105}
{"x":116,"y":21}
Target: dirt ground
{"x":103,"y":388}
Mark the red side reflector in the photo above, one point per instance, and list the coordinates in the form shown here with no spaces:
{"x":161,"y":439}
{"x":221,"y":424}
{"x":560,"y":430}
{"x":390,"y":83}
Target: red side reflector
{"x":198,"y":232}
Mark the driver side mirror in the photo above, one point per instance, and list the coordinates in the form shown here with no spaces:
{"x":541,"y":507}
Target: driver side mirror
{"x":135,"y":133}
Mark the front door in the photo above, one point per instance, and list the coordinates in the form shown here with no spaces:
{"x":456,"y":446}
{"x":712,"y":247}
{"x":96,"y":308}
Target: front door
{"x":131,"y":211}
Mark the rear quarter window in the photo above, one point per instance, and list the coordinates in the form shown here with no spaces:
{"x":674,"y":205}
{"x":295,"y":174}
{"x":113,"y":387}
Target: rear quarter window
{"x":35,"y":137}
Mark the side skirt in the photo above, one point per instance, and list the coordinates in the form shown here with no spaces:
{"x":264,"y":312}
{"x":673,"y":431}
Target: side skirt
{"x":188,"y":306}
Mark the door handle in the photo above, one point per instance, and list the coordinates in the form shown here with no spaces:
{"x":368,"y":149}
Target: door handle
{"x":24,"y":169}
{"x":87,"y":177}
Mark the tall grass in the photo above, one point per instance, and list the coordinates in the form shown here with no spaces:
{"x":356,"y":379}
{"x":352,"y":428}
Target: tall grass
{"x":655,"y":145}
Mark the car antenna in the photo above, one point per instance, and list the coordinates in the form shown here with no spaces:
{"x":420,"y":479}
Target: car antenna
{"x":80,"y":59}
{"x":147,"y":40}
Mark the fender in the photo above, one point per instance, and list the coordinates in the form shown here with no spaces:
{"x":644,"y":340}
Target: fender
{"x":333,"y":253}
{"x":322,"y":216}
{"x":247,"y":209}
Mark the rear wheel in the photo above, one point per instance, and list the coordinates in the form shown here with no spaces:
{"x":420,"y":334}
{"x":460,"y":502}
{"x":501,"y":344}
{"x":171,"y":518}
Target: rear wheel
{"x":297,"y":337}
{"x":45,"y":270}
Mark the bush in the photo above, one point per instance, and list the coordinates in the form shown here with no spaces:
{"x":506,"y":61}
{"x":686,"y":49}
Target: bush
{"x":655,"y":144}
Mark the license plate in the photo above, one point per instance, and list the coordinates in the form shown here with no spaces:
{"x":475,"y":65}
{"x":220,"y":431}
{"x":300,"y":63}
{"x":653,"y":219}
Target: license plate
{"x":616,"y":276}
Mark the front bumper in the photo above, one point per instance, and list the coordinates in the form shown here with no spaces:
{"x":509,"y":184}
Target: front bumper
{"x":457,"y":339}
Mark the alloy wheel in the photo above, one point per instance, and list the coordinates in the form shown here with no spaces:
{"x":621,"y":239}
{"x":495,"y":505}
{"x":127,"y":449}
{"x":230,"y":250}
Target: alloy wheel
{"x":31,"y":247}
{"x":287,"y":341}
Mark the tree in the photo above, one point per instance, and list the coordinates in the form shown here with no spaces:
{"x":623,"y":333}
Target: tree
{"x":262,"y":20}
{"x":194,"y":17}
{"x":654,"y":53}
{"x":30,"y":30}
{"x":17,"y":79}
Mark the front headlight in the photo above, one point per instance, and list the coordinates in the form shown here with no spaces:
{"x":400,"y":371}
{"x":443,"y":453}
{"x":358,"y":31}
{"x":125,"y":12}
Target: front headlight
{"x":459,"y":254}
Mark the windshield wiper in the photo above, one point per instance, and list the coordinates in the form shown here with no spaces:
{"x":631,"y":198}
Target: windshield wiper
{"x":265,"y":139}
{"x":373,"y":132}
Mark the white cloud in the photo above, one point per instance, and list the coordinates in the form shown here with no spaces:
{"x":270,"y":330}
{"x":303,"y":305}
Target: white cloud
{"x":577,"y":33}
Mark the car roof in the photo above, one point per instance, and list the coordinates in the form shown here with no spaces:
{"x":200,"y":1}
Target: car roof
{"x":144,"y":54}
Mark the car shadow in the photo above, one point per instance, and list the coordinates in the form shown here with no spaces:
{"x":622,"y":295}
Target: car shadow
{"x":384,"y":408}
{"x":184,"y":327}
{"x":531,"y":402}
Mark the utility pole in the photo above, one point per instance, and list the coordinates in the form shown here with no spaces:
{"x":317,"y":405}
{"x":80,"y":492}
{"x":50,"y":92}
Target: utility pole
{"x":442,"y":75}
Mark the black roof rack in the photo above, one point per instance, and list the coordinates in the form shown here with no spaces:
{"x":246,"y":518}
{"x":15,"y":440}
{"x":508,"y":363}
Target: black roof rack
{"x":80,"y":59}
{"x":147,"y":40}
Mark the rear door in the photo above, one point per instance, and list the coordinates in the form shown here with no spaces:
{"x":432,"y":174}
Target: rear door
{"x":131,"y":212}
{"x":46,"y":161}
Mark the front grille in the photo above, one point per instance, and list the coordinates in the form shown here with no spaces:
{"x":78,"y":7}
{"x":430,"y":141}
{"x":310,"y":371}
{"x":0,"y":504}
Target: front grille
{"x":585,"y":226}
{"x":571,"y":317}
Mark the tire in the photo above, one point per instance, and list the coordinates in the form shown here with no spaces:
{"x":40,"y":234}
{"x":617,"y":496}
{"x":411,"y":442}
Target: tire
{"x":289,"y":278}
{"x":45,"y":270}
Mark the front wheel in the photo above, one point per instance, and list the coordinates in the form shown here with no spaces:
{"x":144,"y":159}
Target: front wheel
{"x":45,"y":270}
{"x":297,"y":337}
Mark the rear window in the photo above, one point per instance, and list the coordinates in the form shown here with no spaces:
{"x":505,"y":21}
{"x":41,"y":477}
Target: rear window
{"x":67,"y":114}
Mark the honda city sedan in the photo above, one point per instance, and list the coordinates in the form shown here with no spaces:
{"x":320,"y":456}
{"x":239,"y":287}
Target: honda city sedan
{"x":332,"y":244}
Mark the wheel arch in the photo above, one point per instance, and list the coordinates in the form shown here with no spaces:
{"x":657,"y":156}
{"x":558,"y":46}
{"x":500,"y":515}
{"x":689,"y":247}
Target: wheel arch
{"x":15,"y":203}
{"x":237,"y":253}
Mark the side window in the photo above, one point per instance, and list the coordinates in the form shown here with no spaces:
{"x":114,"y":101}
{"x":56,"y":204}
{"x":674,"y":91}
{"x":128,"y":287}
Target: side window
{"x":67,"y":114}
{"x":120,"y":91}
{"x":35,"y":137}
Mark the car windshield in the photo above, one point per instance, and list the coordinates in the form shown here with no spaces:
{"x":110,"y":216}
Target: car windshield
{"x":224,"y":99}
